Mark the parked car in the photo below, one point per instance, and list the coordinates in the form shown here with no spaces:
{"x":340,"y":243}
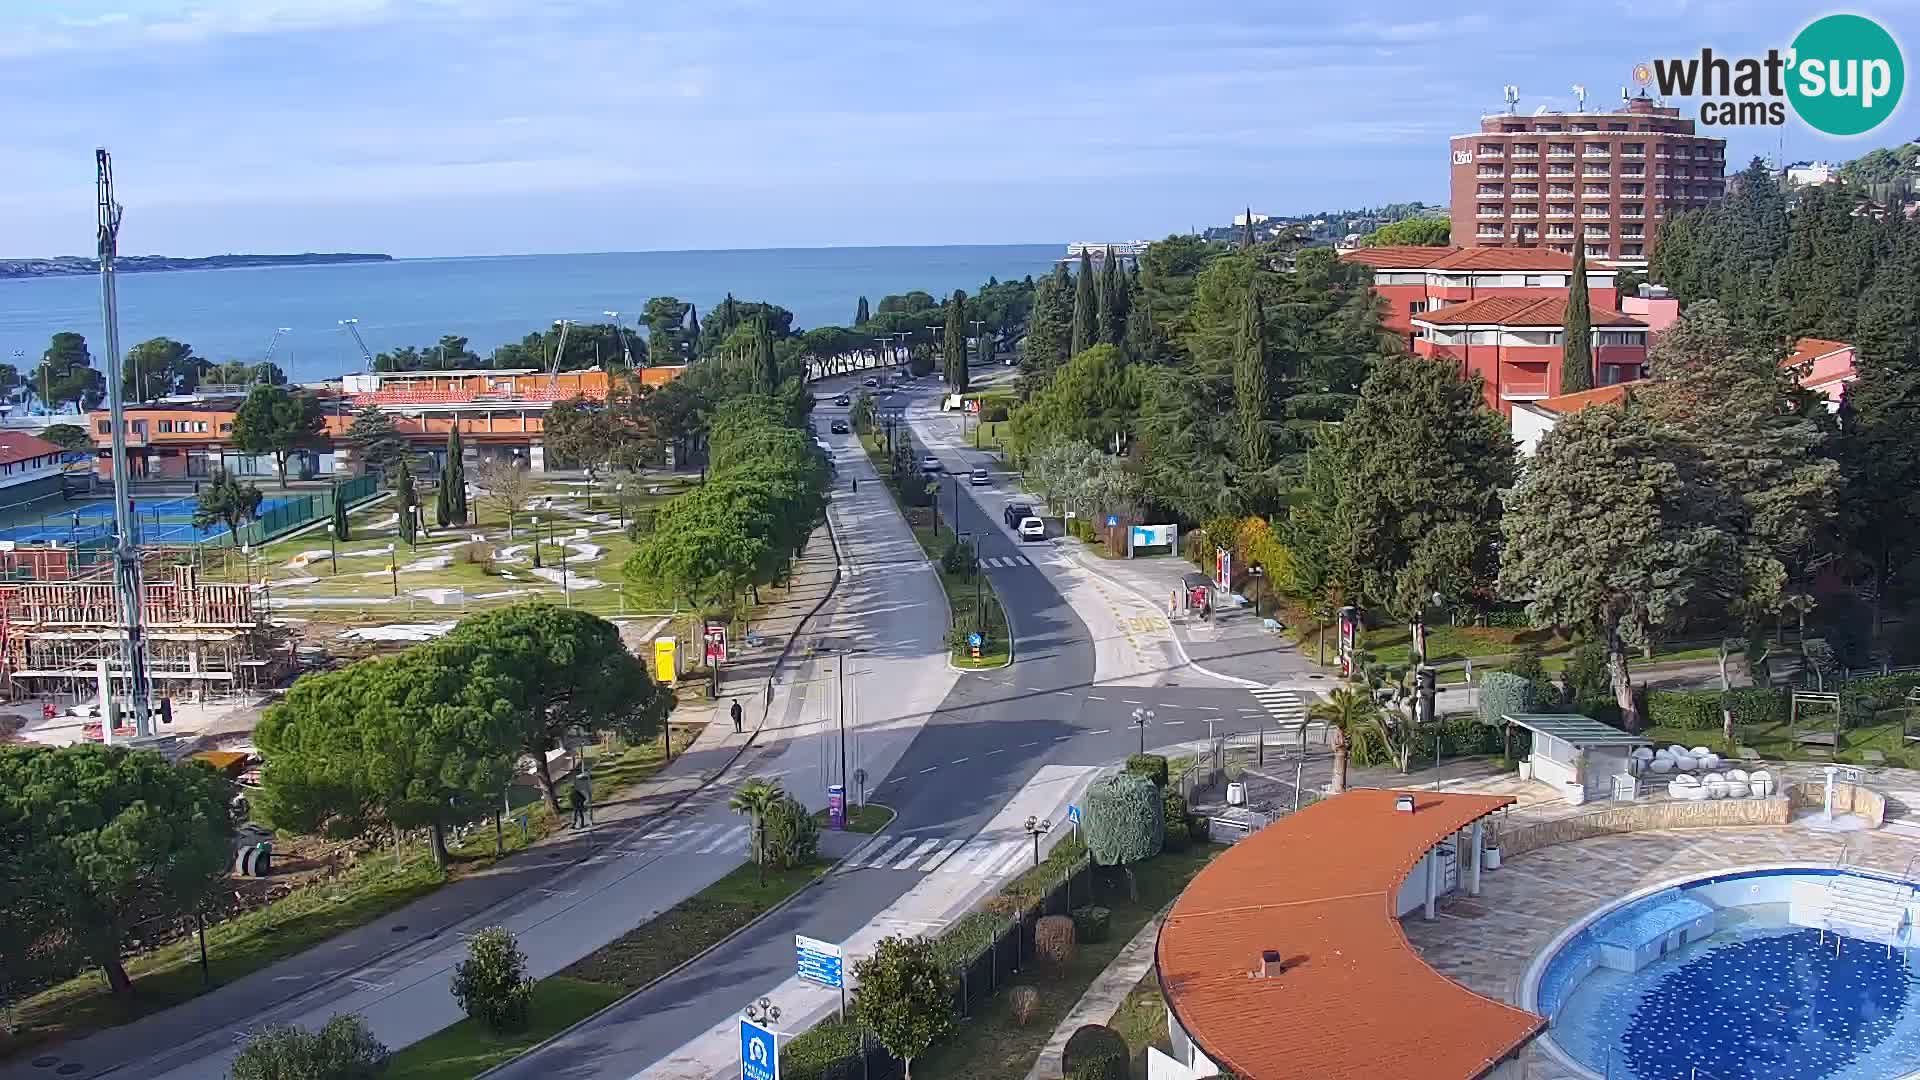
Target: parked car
{"x":929,"y":464}
{"x":1014,"y":512}
{"x":979,"y":476}
{"x":1032,"y":528}
{"x":838,"y":427}
{"x":871,"y":381}
{"x":843,"y":399}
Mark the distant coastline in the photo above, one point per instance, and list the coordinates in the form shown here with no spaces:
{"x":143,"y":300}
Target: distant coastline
{"x":68,"y":265}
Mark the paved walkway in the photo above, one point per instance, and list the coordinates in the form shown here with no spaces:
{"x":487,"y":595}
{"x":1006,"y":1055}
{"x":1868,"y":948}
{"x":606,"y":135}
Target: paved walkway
{"x":374,"y":959}
{"x":1104,"y":997}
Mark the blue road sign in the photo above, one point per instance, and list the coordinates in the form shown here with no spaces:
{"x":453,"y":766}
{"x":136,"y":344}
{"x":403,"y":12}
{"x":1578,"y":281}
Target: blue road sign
{"x":1073,"y":813}
{"x":1112,"y":520}
{"x":973,"y":640}
{"x":818,"y":961}
{"x":759,"y":1055}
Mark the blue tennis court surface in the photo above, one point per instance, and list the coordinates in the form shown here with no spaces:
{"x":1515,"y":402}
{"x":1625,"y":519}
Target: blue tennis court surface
{"x":156,"y":521}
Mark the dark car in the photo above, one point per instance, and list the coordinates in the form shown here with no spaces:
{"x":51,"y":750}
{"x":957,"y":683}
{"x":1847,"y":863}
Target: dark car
{"x":1014,"y":512}
{"x":843,"y":399}
{"x":838,"y":427}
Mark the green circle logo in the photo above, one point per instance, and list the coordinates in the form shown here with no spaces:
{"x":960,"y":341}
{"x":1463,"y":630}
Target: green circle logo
{"x":1847,"y":75}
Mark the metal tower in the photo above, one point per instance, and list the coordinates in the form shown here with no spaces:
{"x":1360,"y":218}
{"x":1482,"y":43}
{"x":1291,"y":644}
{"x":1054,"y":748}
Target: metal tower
{"x":126,"y":555}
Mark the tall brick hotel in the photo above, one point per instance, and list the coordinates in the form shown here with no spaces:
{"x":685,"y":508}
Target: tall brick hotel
{"x":1606,"y":179}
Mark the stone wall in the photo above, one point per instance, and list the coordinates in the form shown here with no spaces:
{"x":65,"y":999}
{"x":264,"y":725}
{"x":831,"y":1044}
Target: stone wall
{"x":1641,"y":817}
{"x":1847,"y":799}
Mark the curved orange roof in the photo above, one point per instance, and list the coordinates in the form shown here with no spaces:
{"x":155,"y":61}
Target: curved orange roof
{"x":1354,"y":998}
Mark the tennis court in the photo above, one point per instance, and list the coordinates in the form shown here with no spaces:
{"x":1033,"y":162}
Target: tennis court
{"x":170,"y":520}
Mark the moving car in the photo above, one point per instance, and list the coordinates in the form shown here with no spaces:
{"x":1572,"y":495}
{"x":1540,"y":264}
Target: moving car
{"x":929,"y":464}
{"x":1014,"y":512}
{"x":979,"y":476}
{"x":838,"y":427}
{"x":1032,"y":528}
{"x":871,"y":381}
{"x":843,"y":399}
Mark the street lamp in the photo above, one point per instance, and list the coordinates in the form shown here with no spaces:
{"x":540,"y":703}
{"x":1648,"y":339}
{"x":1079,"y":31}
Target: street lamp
{"x":763,"y":1012}
{"x":393,"y":568}
{"x":620,"y":497}
{"x":1142,"y":718}
{"x":333,"y":548}
{"x":565,"y":589}
{"x":1037,"y":828}
{"x":1258,"y":574}
{"x":536,"y":541}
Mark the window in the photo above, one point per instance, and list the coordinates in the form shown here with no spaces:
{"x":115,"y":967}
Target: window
{"x":1546,"y":281}
{"x":103,"y":427}
{"x":166,"y":427}
{"x":226,"y":429}
{"x":1415,"y":307}
{"x":1548,"y":127}
{"x":199,"y":425}
{"x":1616,"y":127}
{"x":1483,"y":337}
{"x":1620,"y":337}
{"x":1595,"y":189}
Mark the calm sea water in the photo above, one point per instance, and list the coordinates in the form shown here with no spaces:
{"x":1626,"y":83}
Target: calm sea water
{"x":232,"y":314}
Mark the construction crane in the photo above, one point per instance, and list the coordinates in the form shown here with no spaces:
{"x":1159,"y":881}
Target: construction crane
{"x":352,"y":326}
{"x":275,"y":340}
{"x":126,"y":554}
{"x":559,"y":350}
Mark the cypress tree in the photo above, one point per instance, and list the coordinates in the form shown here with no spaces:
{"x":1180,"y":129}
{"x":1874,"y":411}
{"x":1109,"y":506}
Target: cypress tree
{"x":764,"y":359}
{"x":1246,"y":234}
{"x":340,"y":530}
{"x":442,"y":501}
{"x":1086,"y":308}
{"x":1253,"y":440}
{"x":860,"y":313}
{"x":1576,"y":357}
{"x":954,"y":345}
{"x":455,"y":478}
{"x":693,"y":329}
{"x":729,"y":316}
{"x":403,"y":487}
{"x":1119,"y":303}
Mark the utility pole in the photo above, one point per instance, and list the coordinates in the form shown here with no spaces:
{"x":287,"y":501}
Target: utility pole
{"x":126,"y":556}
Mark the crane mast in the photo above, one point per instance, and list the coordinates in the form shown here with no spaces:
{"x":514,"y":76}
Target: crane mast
{"x":126,"y":554}
{"x":353,"y":327}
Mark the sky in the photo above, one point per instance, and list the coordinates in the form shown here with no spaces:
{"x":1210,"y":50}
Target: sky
{"x":472,"y":127}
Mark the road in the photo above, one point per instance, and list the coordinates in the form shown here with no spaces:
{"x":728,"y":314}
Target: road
{"x":991,"y":736}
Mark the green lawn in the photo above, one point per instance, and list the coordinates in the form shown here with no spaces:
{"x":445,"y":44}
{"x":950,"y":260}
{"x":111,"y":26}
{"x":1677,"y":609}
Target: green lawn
{"x":870,"y":818}
{"x":991,"y":1045}
{"x":1142,"y":1021}
{"x":468,"y":1049}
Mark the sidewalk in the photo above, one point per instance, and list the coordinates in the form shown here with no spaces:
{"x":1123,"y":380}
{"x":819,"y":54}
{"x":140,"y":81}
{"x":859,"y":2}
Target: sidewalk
{"x":543,"y":873}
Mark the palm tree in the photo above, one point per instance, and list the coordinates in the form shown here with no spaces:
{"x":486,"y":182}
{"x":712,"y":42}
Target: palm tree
{"x":226,"y":500}
{"x":1346,"y":712}
{"x":755,"y":798}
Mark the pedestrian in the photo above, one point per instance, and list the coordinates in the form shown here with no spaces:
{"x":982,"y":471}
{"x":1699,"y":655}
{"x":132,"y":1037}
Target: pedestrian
{"x":736,"y":716}
{"x":579,"y":800}
{"x":856,"y":485}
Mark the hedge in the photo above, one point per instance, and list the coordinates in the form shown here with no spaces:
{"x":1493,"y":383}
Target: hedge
{"x":1092,"y":923}
{"x":1684,"y":710}
{"x":821,"y":1052}
{"x":1096,"y":1051}
{"x":1503,"y":694}
{"x":1151,"y":766}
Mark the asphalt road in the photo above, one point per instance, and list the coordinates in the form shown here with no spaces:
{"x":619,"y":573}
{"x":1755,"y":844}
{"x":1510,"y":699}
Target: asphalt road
{"x":988,"y":738}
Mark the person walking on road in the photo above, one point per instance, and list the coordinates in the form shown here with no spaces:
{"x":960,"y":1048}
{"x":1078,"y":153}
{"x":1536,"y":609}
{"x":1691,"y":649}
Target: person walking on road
{"x":579,"y":800}
{"x":736,"y":716}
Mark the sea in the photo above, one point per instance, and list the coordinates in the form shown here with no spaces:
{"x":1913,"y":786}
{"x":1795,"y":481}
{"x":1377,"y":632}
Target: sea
{"x":233,"y":314}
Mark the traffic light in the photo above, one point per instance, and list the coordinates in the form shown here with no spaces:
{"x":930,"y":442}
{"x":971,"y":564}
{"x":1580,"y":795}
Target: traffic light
{"x":166,"y":710}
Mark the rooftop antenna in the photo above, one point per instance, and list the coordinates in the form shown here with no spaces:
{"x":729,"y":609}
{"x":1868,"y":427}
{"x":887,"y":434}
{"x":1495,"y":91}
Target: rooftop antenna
{"x":126,"y":554}
{"x":1513,"y":98}
{"x":1580,"y":95}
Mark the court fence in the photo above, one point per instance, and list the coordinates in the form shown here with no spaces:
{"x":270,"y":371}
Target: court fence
{"x":88,"y":529}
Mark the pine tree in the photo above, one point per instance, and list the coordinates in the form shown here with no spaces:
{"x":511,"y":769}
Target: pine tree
{"x":860,"y":314}
{"x":766,"y":362}
{"x":1049,"y":327}
{"x":1576,"y":357}
{"x":1253,"y":438}
{"x":954,"y":345}
{"x":1086,"y":308}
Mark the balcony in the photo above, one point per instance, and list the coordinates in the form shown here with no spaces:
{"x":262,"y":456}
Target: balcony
{"x":1524,"y":193}
{"x":1561,"y":214}
{"x":1560,"y":153}
{"x":1490,"y":233}
{"x":1598,"y":152}
{"x":1632,"y":213}
{"x":1487,"y":173}
{"x":1491,"y":215}
{"x":1525,"y":172}
{"x":1524,"y":214}
{"x":1633,"y":232}
{"x":1523,"y":387}
{"x":1489,"y":191}
{"x":1595,"y":171}
{"x":1495,"y":153}
{"x":1524,"y":154}
{"x":1559,"y":233}
{"x":1601,"y":235}
{"x":1595,"y":214}
{"x":1633,"y":155}
{"x":1633,"y":170}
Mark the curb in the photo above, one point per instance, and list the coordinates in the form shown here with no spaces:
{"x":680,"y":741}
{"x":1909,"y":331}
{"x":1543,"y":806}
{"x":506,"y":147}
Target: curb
{"x":1012,"y":642}
{"x":1186,"y":659}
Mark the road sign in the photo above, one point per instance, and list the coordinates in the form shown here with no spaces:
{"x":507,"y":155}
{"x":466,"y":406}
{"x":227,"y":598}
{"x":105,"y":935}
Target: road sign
{"x":973,"y":639}
{"x":1112,"y":520}
{"x":716,"y":638}
{"x":836,"y":806}
{"x":1073,"y":813}
{"x":819,"y":961}
{"x":759,"y":1054}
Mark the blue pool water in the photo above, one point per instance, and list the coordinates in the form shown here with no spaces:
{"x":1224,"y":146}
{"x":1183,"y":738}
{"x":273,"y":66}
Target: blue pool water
{"x":1759,"y":999}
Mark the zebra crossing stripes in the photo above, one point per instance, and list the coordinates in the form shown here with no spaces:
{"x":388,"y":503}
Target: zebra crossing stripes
{"x":979,"y":856}
{"x":1002,"y":562}
{"x":1284,"y":706}
{"x":696,"y":839}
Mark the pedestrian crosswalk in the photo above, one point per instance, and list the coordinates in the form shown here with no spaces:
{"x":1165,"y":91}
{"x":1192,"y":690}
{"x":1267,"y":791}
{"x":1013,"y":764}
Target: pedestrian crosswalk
{"x":1284,"y":706}
{"x":984,"y":855}
{"x":693,"y":838}
{"x":1001,"y":562}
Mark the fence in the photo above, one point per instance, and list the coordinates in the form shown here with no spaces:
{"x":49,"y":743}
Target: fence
{"x":289,"y":514}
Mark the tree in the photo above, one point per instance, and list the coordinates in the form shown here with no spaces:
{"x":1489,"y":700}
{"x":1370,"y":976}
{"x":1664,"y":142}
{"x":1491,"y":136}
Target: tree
{"x":66,"y":375}
{"x":452,"y":497}
{"x":422,"y":739}
{"x":1124,"y":823}
{"x":228,"y":500}
{"x":571,"y":673}
{"x":756,"y":798}
{"x":581,"y":433}
{"x":1879,"y":448}
{"x":1414,"y":232}
{"x":491,"y":984}
{"x":954,"y":343}
{"x":506,"y":483}
{"x":278,"y":421}
{"x":376,"y":440}
{"x":1049,"y":327}
{"x":159,"y":367}
{"x":667,"y":335}
{"x":1348,"y":712}
{"x":100,"y":839}
{"x":904,"y":996}
{"x":764,"y":360}
{"x":1112,"y":314}
{"x":342,"y":531}
{"x":343,"y":1049}
{"x":242,"y":373}
{"x":1423,"y":463}
{"x":1252,"y":401}
{"x":1086,"y":307}
{"x":1614,"y":531}
{"x":68,"y":437}
{"x":789,"y":834}
{"x":405,"y":504}
{"x":1576,"y":351}
{"x":860,"y":313}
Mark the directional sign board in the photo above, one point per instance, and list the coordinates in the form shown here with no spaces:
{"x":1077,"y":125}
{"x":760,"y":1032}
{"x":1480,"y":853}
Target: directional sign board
{"x":819,"y":961}
{"x":759,"y":1056}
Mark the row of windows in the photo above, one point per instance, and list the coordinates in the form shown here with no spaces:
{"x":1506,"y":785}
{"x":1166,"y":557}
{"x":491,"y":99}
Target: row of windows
{"x":44,"y":461}
{"x":1526,"y":337}
{"x":1481,"y":281}
{"x":170,"y":427}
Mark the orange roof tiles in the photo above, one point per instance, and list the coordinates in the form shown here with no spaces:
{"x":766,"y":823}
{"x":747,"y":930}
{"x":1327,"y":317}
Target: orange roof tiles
{"x":1408,"y":257}
{"x":1587,"y":399}
{"x":1355,"y":1001}
{"x":1808,"y":349}
{"x":1518,"y":311}
{"x":18,"y":446}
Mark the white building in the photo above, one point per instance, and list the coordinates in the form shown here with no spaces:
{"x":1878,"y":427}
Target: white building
{"x":1812,"y":172}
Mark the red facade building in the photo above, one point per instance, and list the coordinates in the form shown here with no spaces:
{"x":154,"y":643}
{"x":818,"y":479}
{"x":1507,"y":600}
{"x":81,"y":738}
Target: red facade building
{"x":1515,"y":343}
{"x":1418,"y":280}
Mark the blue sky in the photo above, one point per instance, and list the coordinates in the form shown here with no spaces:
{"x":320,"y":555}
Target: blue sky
{"x":452,"y":127}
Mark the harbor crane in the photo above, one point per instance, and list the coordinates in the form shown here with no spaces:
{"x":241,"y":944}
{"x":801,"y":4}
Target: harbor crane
{"x":352,"y":327}
{"x":559,"y":350}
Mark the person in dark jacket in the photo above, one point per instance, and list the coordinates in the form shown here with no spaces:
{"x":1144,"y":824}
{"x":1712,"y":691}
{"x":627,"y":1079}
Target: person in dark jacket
{"x":579,"y":800}
{"x":736,"y":716}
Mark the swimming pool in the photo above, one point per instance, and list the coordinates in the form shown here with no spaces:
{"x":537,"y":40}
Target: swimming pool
{"x":1731,"y":977}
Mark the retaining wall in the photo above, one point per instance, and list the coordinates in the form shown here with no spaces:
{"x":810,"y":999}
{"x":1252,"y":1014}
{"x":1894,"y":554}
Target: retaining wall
{"x":1643,"y":817}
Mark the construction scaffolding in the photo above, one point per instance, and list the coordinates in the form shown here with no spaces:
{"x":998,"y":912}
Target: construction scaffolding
{"x":200,"y":638}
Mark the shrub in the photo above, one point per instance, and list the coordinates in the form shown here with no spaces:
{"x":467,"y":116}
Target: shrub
{"x":957,"y":559}
{"x":1684,"y":710}
{"x":1124,"y":822}
{"x":1053,"y":939}
{"x":1097,"y":1048}
{"x":1151,"y":766}
{"x":342,"y":1050}
{"x":1023,"y":1002}
{"x":1586,"y":676}
{"x":790,"y":834}
{"x":1508,"y":618}
{"x":1092,"y":923}
{"x":1526,"y":663}
{"x":1174,"y":814}
{"x":1503,"y":693}
{"x":994,"y":413}
{"x":491,"y":984}
{"x":1756,"y":705}
{"x":827,"y":1051}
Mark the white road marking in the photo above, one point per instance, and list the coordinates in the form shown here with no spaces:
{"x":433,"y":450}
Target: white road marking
{"x":906,"y":861}
{"x":947,"y":848}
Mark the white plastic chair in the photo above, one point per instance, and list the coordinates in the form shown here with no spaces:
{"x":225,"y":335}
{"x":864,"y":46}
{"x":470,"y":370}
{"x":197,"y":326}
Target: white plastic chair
{"x":1715,"y":784}
{"x":1762,"y":783}
{"x":1684,"y":787}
